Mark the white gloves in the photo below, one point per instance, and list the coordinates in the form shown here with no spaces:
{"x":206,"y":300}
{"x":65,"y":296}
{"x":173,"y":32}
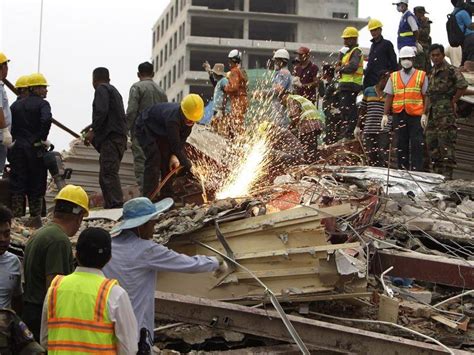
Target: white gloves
{"x":222,"y":270}
{"x":174,"y":162}
{"x":424,"y":121}
{"x":7,"y":137}
{"x":419,"y":47}
{"x":357,"y":132}
{"x":46,"y":144}
{"x":384,"y":121}
{"x":297,"y":81}
{"x":219,"y":114}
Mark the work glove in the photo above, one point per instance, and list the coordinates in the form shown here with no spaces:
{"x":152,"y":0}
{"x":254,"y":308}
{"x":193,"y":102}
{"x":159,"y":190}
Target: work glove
{"x":219,"y":114}
{"x":46,"y":144}
{"x":174,"y":162}
{"x":384,"y":121}
{"x":419,"y":47}
{"x":7,"y":137}
{"x":206,"y":66}
{"x":424,"y":121}
{"x":223,"y":268}
{"x":357,"y":132}
{"x":297,"y":81}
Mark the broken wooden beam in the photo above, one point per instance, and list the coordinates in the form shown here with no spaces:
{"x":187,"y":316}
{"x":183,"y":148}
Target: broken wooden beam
{"x":267,"y":323}
{"x":423,"y":267}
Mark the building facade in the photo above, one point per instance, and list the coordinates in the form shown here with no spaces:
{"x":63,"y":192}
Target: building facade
{"x":192,"y":31}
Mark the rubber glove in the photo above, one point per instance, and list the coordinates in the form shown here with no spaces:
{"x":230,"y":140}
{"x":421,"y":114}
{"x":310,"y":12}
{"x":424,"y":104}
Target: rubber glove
{"x":424,"y":121}
{"x":357,"y":132}
{"x":384,"y":121}
{"x":7,"y":137}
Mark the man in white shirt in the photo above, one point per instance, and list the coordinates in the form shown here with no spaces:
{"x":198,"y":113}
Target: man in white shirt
{"x":136,"y":258}
{"x":5,"y":114}
{"x":85,"y":312}
{"x":11,"y":292}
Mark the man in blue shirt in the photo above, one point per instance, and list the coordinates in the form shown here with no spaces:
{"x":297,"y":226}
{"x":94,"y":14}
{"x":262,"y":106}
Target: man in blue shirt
{"x":136,"y":258}
{"x":464,"y":20}
{"x":408,"y":27}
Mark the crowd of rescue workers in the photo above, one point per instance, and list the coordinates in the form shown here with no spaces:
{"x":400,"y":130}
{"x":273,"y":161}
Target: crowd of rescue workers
{"x":102,"y":298}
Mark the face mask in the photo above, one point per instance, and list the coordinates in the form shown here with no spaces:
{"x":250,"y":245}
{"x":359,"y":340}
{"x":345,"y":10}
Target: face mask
{"x":406,"y":63}
{"x":400,"y":8}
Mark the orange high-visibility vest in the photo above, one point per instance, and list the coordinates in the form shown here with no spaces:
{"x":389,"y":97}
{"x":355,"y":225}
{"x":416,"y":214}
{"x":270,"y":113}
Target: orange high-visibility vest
{"x":78,"y":319}
{"x":409,"y":97}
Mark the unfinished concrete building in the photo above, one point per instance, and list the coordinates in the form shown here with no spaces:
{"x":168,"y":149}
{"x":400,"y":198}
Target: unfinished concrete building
{"x":192,"y":31}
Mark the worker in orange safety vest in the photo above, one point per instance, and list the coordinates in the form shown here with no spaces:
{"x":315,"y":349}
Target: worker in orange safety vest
{"x":406,"y":90}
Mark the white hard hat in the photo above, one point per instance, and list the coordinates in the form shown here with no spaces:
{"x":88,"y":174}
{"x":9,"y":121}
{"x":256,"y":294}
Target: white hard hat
{"x":234,"y":54}
{"x":400,"y":2}
{"x":407,"y":52}
{"x":281,"y":54}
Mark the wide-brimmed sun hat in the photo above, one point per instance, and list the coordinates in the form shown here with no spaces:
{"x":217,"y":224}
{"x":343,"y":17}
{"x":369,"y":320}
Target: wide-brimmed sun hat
{"x":140,"y":210}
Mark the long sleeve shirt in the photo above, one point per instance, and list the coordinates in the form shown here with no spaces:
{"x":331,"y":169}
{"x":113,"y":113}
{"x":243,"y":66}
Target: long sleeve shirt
{"x":164,"y":122}
{"x":350,"y":68}
{"x":120,"y":313}
{"x":31,"y":120}
{"x":381,"y":57}
{"x":4,"y":106}
{"x":135,"y":263}
{"x":108,"y":114}
{"x":143,"y":94}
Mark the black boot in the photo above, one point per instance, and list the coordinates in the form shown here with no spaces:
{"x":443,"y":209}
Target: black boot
{"x":36,"y":206}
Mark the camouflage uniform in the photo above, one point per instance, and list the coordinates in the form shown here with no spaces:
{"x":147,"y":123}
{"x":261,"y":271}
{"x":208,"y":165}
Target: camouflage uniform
{"x":15,"y":337}
{"x":422,"y":60}
{"x":441,"y":132}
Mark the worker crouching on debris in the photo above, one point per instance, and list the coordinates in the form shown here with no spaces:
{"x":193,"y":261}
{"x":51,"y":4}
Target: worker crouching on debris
{"x":31,"y":122}
{"x":305,"y":125}
{"x":162,"y":131}
{"x":406,"y":90}
{"x":85,"y":312}
{"x":49,"y":252}
{"x":108,"y":135}
{"x":136,"y":258}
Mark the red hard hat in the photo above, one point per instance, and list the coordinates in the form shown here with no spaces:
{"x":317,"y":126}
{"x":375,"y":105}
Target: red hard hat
{"x":303,"y":50}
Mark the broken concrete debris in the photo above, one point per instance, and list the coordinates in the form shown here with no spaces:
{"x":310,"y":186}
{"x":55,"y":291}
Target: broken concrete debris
{"x":319,"y":238}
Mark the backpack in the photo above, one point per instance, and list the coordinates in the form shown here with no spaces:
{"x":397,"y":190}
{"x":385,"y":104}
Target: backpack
{"x":455,"y":35}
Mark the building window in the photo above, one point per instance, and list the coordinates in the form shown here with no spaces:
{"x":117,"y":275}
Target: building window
{"x":154,"y":35}
{"x":171,"y":15}
{"x":167,"y":20}
{"x":169,"y":79}
{"x":180,"y":95}
{"x":161,"y":84}
{"x":174,"y":73}
{"x":179,"y":68}
{"x":184,"y":30}
{"x":166,"y":52}
{"x":155,"y":64}
{"x":171,"y":45}
{"x":158,"y":33}
{"x":342,"y":15}
{"x":182,"y":64}
{"x":162,"y":27}
{"x":176,"y":8}
{"x":175,"y":39}
{"x":161,"y":58}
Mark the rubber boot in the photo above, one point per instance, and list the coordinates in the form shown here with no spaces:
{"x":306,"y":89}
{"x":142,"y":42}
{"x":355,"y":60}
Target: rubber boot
{"x":18,"y":205}
{"x":36,"y":206}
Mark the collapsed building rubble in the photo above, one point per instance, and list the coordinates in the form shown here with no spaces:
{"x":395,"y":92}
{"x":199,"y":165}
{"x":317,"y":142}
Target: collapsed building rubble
{"x":319,"y":238}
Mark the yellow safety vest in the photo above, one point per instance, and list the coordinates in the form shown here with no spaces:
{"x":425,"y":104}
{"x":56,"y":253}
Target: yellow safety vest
{"x":309,"y":110}
{"x":356,"y":77}
{"x":78,"y":319}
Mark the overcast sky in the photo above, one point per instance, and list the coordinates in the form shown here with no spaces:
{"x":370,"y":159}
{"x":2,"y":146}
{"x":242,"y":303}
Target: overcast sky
{"x":81,"y":35}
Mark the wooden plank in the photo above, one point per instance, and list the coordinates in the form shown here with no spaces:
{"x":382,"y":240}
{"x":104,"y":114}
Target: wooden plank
{"x":277,"y":273}
{"x":290,"y":251}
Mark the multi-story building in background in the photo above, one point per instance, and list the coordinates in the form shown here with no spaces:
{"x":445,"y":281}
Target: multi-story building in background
{"x":192,"y":31}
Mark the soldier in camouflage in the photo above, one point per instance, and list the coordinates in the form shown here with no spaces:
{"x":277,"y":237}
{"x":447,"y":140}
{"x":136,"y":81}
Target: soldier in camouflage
{"x":446,"y":86}
{"x":422,"y":60}
{"x":15,"y":337}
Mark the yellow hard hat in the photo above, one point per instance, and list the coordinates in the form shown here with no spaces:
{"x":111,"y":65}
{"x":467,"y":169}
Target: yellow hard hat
{"x":22,"y":82}
{"x":350,"y":32}
{"x":76,"y":195}
{"x":3,"y":58}
{"x":374,"y":24}
{"x":37,"y":79}
{"x":193,"y":107}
